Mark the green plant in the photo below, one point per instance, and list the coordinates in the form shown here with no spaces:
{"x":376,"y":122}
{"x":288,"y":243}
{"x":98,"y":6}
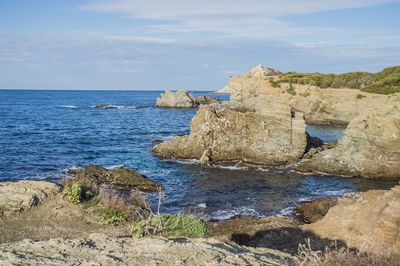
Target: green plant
{"x":360,"y":96}
{"x":274,"y":83}
{"x":73,"y":193}
{"x":291,"y":90}
{"x":171,"y":225}
{"x":112,"y":216}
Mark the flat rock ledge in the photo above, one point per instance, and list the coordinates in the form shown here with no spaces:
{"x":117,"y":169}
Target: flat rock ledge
{"x":16,"y":197}
{"x":98,"y":249}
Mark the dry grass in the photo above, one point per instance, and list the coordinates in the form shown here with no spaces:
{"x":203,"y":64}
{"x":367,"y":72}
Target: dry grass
{"x":344,"y":257}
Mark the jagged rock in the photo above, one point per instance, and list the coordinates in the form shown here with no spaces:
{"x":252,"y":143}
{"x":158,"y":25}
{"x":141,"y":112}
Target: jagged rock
{"x":205,"y":100}
{"x":312,"y":211}
{"x":368,"y":221}
{"x":176,"y":99}
{"x":370,"y":146}
{"x":94,"y":176}
{"x":106,"y":106}
{"x":99,"y":249}
{"x":252,"y":132}
{"x":23,"y":195}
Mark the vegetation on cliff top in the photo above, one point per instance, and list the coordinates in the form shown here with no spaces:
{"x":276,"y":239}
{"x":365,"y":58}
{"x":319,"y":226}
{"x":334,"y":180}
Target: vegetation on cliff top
{"x":386,"y":81}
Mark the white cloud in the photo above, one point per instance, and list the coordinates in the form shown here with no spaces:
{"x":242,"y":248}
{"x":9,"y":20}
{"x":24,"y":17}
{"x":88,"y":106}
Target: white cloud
{"x":255,"y":18}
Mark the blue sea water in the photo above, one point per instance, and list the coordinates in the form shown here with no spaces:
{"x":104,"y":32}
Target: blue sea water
{"x":43,"y":133}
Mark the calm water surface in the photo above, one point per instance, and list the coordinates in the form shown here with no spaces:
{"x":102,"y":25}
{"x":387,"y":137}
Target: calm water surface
{"x":43,"y":133}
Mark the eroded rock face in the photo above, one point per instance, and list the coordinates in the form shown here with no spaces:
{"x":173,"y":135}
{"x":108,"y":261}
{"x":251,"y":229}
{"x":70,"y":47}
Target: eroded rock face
{"x":205,"y":100}
{"x":176,"y":99}
{"x":21,"y":196}
{"x":119,"y":178}
{"x":368,"y":221}
{"x":252,"y":132}
{"x":99,"y":249}
{"x":370,"y":146}
{"x":312,"y":211}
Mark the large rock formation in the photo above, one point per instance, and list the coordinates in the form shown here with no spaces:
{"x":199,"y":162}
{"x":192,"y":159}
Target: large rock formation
{"x":258,"y":131}
{"x":319,"y":106}
{"x":369,"y":221}
{"x":370,"y":146}
{"x":21,"y":196}
{"x":176,"y":99}
{"x":99,"y":249}
{"x":205,"y":100}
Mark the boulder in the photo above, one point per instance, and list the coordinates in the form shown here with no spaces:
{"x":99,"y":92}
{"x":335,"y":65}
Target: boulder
{"x":368,"y":221}
{"x":370,"y":146}
{"x":312,"y":211}
{"x":93,"y":176}
{"x":176,"y":99}
{"x":205,"y":100}
{"x":252,"y":132}
{"x":23,"y":195}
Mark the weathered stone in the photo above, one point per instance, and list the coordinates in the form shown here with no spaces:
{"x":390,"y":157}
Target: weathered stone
{"x":368,"y":221}
{"x":176,"y":99}
{"x":205,"y":100}
{"x":252,"y":133}
{"x":121,"y":178}
{"x":21,"y":196}
{"x":99,"y":249}
{"x":312,"y":211}
{"x":370,"y":146}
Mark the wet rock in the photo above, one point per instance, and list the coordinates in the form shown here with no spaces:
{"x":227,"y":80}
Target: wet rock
{"x":312,"y":211}
{"x":157,"y":141}
{"x":16,"y":197}
{"x":370,"y":146}
{"x":266,"y":135}
{"x":205,"y":100}
{"x":99,"y":249}
{"x":93,"y":177}
{"x":176,"y":99}
{"x":368,"y":221}
{"x":106,"y":106}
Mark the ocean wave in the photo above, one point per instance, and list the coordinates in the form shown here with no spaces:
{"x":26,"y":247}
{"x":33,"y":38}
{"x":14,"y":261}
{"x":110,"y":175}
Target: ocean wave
{"x":69,"y":106}
{"x":110,"y":106}
{"x":227,"y":214}
{"x":289,"y":211}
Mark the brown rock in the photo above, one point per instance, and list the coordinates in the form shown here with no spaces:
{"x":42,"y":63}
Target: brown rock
{"x":368,"y":221}
{"x":251,"y":133}
{"x":16,"y":197}
{"x":312,"y":211}
{"x":176,"y":99}
{"x":93,"y":176}
{"x":205,"y":100}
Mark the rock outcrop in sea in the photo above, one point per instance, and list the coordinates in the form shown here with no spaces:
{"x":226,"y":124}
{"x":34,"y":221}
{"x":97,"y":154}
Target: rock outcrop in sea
{"x":259,"y":131}
{"x":370,"y":146}
{"x":176,"y":99}
{"x":368,"y":221}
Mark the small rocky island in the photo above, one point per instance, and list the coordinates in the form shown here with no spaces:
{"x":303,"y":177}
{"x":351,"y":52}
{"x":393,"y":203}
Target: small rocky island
{"x":104,"y":216}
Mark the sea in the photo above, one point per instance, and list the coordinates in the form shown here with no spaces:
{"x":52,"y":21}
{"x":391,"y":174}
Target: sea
{"x":43,"y":133}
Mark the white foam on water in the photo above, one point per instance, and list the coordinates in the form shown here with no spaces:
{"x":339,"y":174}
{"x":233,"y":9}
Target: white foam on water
{"x":287,"y":211}
{"x":114,"y":166}
{"x":231,"y":167}
{"x":334,"y":192}
{"x":227,"y":214}
{"x":69,"y":106}
{"x":202,"y":205}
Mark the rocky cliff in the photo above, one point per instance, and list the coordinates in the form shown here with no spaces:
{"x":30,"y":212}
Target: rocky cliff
{"x":370,"y":146}
{"x":252,"y":132}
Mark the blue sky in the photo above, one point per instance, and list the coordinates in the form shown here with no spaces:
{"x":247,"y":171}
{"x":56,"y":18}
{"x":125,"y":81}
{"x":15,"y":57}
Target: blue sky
{"x":197,"y":45}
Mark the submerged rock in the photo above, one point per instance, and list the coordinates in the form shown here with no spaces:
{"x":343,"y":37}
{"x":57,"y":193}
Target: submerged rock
{"x":176,"y":99}
{"x":368,"y":221}
{"x":23,"y":195}
{"x":370,"y":146}
{"x":119,"y":178}
{"x":251,"y":133}
{"x":106,"y":106}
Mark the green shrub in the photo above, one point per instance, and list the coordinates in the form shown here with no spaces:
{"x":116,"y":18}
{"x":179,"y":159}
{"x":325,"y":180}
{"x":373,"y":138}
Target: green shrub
{"x":170,"y":225}
{"x":291,"y":90}
{"x":112,"y":216}
{"x":386,"y":81}
{"x":360,"y":96}
{"x":73,"y":192}
{"x":274,"y":83}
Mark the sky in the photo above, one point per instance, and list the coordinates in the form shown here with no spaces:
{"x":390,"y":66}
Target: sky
{"x":194,"y":45}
